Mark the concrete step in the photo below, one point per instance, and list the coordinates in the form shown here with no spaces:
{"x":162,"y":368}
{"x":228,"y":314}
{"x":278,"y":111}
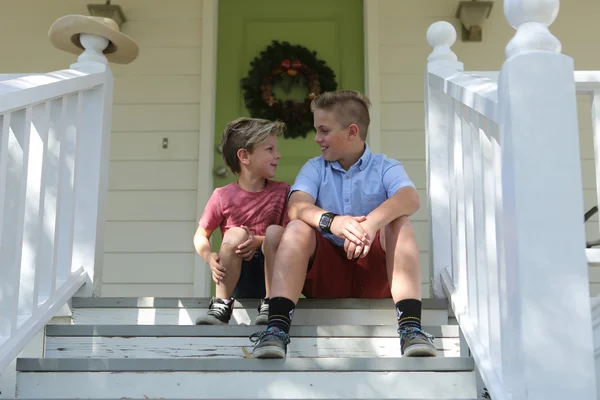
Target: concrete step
{"x":136,"y":341}
{"x":221,"y":378}
{"x":184,"y":311}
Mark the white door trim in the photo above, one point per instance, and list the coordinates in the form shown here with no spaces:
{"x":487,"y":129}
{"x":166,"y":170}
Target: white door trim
{"x":372,"y":85}
{"x":208,"y":83}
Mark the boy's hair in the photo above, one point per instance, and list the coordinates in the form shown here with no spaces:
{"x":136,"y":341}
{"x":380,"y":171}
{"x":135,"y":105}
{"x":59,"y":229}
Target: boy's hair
{"x":246,"y":133}
{"x":350,"y":107}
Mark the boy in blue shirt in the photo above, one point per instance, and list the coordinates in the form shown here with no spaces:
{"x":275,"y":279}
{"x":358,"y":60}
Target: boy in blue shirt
{"x":350,"y":233}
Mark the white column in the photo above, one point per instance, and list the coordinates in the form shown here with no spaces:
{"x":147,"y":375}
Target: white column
{"x":546,"y":324}
{"x":92,"y":160}
{"x":438,"y":125}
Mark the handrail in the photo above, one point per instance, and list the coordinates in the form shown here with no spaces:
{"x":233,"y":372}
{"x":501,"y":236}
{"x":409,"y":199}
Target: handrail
{"x":492,"y":141}
{"x":54,"y":144}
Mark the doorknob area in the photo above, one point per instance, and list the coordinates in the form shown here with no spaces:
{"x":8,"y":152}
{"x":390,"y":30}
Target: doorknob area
{"x":220,"y":171}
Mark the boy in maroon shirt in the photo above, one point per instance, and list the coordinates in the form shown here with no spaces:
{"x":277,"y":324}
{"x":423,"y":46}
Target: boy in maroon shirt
{"x":250,"y":214}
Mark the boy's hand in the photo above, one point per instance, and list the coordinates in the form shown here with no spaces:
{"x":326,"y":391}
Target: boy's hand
{"x":350,"y":228}
{"x":246,"y":250}
{"x":361,"y":250}
{"x":218,"y":271}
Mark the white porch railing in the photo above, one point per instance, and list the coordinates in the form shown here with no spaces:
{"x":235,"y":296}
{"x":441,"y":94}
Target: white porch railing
{"x":53,"y":186}
{"x":506,"y":210}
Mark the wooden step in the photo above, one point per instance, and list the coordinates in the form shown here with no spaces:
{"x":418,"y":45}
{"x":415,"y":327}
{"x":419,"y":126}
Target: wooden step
{"x":184,"y":311}
{"x":135,"y":341}
{"x":293,"y":378}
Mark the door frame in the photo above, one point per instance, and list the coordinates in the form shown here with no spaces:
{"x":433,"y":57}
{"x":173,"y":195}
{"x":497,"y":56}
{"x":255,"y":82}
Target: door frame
{"x":208,"y":85}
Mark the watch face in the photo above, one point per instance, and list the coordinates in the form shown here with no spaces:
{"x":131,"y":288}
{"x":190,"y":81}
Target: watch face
{"x":324,"y":220}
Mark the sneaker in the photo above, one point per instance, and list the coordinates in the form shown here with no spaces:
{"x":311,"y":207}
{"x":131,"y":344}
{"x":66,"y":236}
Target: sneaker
{"x":414,"y":342}
{"x":219,"y":313}
{"x":271,"y":343}
{"x":263,"y":312}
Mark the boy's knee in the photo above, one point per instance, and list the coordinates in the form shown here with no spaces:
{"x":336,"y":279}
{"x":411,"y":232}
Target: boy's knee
{"x":273,"y":236}
{"x":298,"y":229}
{"x":234,"y":237}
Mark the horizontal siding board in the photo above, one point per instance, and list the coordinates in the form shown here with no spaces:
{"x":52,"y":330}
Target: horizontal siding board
{"x":145,"y":146}
{"x":156,"y":117}
{"x":398,"y":87}
{"x":167,"y":89}
{"x":153,"y":175}
{"x":402,"y":116}
{"x":148,"y":268}
{"x":166,"y":32}
{"x":162,"y":61}
{"x":404,"y":145}
{"x":151,"y":205}
{"x":145,"y":236}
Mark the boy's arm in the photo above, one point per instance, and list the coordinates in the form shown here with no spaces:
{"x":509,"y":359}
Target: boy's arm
{"x":202,"y":244}
{"x":405,"y":202}
{"x":302,"y":206}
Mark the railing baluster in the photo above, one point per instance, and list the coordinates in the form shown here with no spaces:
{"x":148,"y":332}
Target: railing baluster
{"x":453,"y":193}
{"x":46,"y":272}
{"x":459,"y":181}
{"x":64,"y":243}
{"x":470,"y":240}
{"x":33,"y":157}
{"x":478,"y":127}
{"x":7,"y":285}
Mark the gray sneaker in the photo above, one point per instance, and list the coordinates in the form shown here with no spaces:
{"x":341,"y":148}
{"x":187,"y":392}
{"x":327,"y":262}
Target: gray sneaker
{"x":414,"y":342}
{"x":263,"y":313}
{"x":219,"y":313}
{"x":271,"y":343}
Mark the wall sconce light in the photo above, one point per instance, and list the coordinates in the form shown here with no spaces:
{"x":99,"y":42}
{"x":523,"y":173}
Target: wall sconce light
{"x":108,"y":10}
{"x":472,"y":14}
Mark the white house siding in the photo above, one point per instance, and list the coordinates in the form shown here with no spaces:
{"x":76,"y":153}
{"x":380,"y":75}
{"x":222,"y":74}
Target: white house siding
{"x":403,"y":51}
{"x":152,"y":192}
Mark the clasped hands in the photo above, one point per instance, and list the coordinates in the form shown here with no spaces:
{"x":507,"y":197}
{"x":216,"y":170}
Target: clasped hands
{"x":357,"y":232}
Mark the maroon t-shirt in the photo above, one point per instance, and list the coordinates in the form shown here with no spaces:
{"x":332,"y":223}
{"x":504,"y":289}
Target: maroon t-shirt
{"x":231,"y":206}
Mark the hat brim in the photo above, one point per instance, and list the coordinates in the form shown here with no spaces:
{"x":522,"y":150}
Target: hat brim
{"x":64,"y":35}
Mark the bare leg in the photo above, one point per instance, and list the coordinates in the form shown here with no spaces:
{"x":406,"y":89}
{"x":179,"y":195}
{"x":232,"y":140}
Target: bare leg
{"x":232,"y":263}
{"x":272,"y":240}
{"x":402,"y":259}
{"x":297,"y":245}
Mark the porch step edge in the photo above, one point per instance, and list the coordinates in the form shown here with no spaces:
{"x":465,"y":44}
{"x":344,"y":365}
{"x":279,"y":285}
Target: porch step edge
{"x":434,"y":364}
{"x":353,"y":331}
{"x":203,"y":302}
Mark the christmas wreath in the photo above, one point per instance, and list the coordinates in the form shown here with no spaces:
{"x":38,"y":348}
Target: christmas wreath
{"x":286,"y":66}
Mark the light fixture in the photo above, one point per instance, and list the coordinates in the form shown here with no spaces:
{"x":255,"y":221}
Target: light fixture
{"x":108,"y":10}
{"x":472,"y":14}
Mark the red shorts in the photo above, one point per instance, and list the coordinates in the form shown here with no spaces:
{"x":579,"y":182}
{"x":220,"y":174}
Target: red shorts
{"x":332,"y":275}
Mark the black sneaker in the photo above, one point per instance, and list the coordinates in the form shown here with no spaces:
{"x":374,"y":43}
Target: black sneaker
{"x":219,"y":313}
{"x":263,"y":312}
{"x":271,"y":343}
{"x":414,"y":342}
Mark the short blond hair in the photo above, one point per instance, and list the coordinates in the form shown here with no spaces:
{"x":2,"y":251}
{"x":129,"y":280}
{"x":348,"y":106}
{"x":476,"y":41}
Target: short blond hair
{"x":349,"y":106}
{"x":246,"y":133}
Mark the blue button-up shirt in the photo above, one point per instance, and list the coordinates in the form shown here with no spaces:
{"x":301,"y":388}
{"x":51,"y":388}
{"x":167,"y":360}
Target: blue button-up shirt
{"x":358,"y":191}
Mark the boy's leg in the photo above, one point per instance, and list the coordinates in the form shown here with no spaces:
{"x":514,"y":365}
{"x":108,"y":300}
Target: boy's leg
{"x":297,"y":245}
{"x":272,"y":241}
{"x":221,"y":307}
{"x":273,"y":237}
{"x":404,"y":273}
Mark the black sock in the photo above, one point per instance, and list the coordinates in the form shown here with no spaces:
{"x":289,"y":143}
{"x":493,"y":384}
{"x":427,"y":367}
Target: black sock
{"x":280,"y":313}
{"x":409,"y":313}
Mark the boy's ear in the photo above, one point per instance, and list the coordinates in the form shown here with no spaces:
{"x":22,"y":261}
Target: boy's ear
{"x":244,"y":156}
{"x":353,"y":132}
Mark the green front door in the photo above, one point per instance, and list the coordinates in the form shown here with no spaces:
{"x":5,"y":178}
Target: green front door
{"x":332,"y":28}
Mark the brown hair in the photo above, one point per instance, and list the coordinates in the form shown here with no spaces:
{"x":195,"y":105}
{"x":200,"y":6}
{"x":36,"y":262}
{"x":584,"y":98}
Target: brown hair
{"x":246,"y":133}
{"x":350,"y":107}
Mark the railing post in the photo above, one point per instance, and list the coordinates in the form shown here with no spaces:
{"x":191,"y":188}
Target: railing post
{"x":547,"y":317}
{"x":438,"y":123}
{"x":92,"y":161}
